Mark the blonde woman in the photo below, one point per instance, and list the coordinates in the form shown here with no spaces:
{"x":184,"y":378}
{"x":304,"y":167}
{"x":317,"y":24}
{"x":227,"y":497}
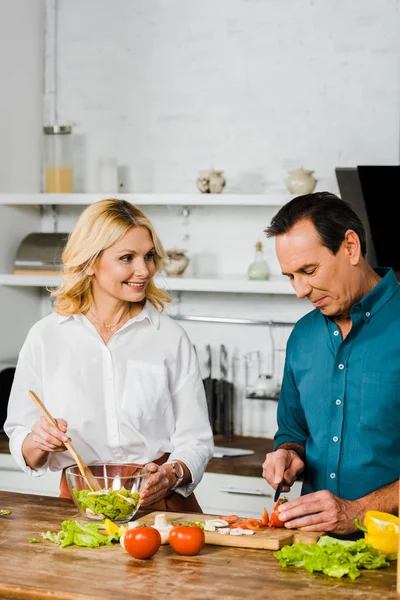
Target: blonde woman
{"x":121,"y":376}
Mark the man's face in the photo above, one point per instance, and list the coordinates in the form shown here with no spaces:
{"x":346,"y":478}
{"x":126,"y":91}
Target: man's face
{"x":315,"y":273}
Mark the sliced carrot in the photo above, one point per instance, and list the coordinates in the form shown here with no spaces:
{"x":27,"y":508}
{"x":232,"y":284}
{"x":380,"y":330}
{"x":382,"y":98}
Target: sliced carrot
{"x":230,"y":519}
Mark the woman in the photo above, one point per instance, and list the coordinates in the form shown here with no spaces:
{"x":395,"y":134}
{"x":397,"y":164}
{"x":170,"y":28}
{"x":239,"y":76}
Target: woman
{"x":122,"y":377}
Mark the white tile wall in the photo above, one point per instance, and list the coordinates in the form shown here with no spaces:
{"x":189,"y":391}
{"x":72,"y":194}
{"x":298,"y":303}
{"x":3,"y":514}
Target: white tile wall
{"x":252,"y":87}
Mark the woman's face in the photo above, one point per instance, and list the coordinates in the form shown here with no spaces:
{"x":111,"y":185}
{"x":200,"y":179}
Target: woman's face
{"x":123,"y":271}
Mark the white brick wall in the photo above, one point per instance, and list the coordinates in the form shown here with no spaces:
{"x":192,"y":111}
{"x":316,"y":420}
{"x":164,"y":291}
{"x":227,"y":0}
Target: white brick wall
{"x":249,"y":86}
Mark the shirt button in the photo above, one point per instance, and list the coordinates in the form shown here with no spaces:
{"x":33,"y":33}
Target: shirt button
{"x":341,"y":367}
{"x":336,"y":332}
{"x":332,"y":475}
{"x":335,"y":438}
{"x":338,"y":402}
{"x":367,"y":314}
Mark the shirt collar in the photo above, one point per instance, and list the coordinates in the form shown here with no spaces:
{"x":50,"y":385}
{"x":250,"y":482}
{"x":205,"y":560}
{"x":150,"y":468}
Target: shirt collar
{"x":380,"y":294}
{"x":148,"y":312}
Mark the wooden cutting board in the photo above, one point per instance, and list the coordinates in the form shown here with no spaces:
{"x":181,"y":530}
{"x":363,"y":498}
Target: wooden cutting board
{"x":269,"y":539}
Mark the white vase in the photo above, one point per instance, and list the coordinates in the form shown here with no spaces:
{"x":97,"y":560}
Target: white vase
{"x":301,"y":181}
{"x":210,"y":182}
{"x":175,"y":262}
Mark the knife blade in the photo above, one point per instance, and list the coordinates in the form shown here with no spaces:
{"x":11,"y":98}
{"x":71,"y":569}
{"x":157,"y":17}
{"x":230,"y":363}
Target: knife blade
{"x":278,"y":490}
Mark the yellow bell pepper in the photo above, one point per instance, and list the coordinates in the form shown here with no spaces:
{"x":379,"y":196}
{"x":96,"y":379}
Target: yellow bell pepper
{"x":381,"y":531}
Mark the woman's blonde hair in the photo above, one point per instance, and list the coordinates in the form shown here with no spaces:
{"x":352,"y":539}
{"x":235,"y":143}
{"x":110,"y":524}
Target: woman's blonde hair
{"x":99,"y":227}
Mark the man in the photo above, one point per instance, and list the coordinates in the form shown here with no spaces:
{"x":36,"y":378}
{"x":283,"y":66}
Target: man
{"x":339,"y":407}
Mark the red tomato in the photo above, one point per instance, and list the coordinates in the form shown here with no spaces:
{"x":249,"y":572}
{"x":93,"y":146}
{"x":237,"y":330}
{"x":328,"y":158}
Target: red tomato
{"x":230,"y":519}
{"x":274,"y":520}
{"x":186,"y":539}
{"x":142,"y":542}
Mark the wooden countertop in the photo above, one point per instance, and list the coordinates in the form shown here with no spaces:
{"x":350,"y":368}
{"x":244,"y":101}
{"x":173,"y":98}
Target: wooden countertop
{"x":250,"y":465}
{"x":42,"y":571}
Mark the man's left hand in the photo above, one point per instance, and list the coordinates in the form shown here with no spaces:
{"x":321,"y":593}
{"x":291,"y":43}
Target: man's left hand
{"x":323,"y":511}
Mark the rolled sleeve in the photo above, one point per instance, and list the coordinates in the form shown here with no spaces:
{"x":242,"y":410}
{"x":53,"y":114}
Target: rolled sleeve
{"x":193,"y":439}
{"x":22,"y":412}
{"x":292,"y":424}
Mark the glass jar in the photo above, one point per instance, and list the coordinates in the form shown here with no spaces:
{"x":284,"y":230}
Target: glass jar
{"x":107,"y":175}
{"x":58,"y":159}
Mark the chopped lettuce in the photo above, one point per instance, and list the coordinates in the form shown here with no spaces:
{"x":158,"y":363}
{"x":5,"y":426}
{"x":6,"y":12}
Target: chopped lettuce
{"x":333,"y":557}
{"x":74,"y":533}
{"x":116,"y":505}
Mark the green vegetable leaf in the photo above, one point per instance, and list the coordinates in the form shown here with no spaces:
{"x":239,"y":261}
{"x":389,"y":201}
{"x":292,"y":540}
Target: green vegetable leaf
{"x":33,"y":541}
{"x":78,"y":534}
{"x":333,"y":557}
{"x":113,"y":504}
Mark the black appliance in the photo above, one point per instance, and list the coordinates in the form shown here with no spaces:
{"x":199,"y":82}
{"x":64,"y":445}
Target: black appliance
{"x":7,"y":371}
{"x":372,"y":191}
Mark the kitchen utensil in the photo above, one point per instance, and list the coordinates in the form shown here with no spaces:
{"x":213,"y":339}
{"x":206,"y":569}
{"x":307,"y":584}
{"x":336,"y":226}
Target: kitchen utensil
{"x":84,"y":469}
{"x":209,"y":387}
{"x":117,"y":497}
{"x":268,"y":539}
{"x":278,"y":490}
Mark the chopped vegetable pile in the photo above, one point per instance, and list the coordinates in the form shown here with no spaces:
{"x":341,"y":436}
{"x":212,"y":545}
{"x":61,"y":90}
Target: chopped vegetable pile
{"x":76,"y":533}
{"x":333,"y":557}
{"x":114,"y":504}
{"x":188,"y":523}
{"x":4,"y":512}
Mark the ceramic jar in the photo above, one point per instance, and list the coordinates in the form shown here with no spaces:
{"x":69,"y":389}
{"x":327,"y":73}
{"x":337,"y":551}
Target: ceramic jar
{"x":175,"y":262}
{"x":300,"y":181}
{"x":210,"y":182}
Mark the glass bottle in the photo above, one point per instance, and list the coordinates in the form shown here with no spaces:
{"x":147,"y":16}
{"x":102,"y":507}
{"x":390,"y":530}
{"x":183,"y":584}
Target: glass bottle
{"x":58,"y":159}
{"x":259,"y":268}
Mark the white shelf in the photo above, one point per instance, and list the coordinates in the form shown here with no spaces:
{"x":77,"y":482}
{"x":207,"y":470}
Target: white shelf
{"x":277,"y":198}
{"x":240,"y":285}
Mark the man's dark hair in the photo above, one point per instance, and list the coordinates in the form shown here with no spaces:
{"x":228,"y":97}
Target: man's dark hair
{"x":330,"y":215}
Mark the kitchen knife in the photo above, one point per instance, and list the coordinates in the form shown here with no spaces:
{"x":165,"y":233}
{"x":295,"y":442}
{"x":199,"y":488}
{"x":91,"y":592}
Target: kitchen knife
{"x":278,"y":490}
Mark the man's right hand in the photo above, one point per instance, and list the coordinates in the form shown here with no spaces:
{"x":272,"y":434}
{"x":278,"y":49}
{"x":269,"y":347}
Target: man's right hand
{"x":283,"y":464}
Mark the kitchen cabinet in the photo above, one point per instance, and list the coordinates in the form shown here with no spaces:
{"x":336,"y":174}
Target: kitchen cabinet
{"x":13,"y":479}
{"x":221,"y":494}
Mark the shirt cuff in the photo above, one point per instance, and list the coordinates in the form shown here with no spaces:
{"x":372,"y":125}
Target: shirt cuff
{"x":196,"y":466}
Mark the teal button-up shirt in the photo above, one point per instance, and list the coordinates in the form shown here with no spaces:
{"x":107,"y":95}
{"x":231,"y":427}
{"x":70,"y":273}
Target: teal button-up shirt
{"x":340,"y":399}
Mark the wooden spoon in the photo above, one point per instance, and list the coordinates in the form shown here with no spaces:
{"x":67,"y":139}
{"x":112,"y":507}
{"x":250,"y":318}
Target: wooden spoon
{"x":84,"y":469}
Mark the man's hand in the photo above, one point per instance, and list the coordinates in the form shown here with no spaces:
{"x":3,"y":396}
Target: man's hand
{"x":281,"y":465}
{"x":323,"y":511}
{"x":159,"y":481}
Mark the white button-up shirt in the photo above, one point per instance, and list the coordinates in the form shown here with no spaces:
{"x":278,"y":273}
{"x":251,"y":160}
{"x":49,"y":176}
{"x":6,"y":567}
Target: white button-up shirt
{"x":130,"y":400}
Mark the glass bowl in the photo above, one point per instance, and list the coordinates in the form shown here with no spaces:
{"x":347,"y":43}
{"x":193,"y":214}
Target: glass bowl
{"x":118,"y":496}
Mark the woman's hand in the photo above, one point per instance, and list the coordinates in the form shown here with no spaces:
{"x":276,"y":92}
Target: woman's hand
{"x":44,"y":438}
{"x":47,"y":437}
{"x":157,"y":484}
